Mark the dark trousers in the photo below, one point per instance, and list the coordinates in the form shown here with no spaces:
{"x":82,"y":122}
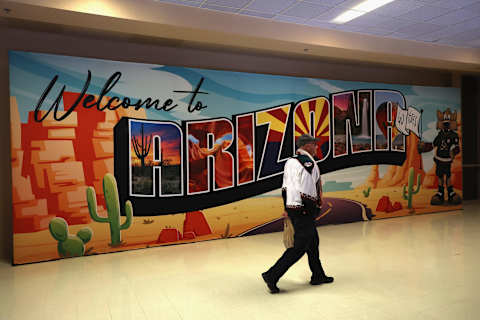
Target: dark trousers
{"x":305,"y":241}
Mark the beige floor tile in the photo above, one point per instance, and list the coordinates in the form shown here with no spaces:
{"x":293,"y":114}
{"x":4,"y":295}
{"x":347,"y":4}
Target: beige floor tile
{"x":416,"y":267}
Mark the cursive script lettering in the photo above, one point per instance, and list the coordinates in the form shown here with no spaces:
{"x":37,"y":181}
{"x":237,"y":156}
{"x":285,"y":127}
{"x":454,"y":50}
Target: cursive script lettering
{"x":113,"y":103}
{"x":199,"y":105}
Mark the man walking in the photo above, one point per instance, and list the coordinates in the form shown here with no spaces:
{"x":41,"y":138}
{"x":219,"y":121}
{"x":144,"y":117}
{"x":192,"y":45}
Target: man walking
{"x":302,"y":197}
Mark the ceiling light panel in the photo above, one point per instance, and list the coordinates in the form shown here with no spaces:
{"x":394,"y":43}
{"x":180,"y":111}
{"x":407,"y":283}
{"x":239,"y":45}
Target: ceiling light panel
{"x":370,"y":5}
{"x":371,"y":19}
{"x":397,"y":8}
{"x":347,"y":15}
{"x":357,"y":9}
{"x":329,"y":15}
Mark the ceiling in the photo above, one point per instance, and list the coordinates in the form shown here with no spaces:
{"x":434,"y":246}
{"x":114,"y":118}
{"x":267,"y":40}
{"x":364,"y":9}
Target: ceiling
{"x":451,"y":22}
{"x":432,"y":34}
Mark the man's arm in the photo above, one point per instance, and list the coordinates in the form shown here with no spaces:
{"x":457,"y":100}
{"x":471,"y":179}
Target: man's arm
{"x":320,"y":193}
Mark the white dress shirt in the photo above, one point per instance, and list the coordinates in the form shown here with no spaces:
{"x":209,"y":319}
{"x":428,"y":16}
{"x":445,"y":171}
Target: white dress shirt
{"x":300,"y":184}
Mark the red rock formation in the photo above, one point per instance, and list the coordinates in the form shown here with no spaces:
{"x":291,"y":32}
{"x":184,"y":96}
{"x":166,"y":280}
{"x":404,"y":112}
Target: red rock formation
{"x":195,"y":222}
{"x":372,"y":179}
{"x":431,"y":180}
{"x":398,"y":175}
{"x":188,"y":235}
{"x":94,"y":139}
{"x":397,"y":206}
{"x":169,"y":235}
{"x":385,"y":205}
{"x":219,"y":127}
{"x":54,"y":161}
{"x":198,"y":172}
{"x":456,"y":179}
{"x":245,"y":162}
{"x":50,"y":159}
{"x":29,"y":214}
{"x":223,"y":168}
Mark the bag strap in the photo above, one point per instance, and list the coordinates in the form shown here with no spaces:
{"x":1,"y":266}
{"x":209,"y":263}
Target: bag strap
{"x":305,"y":161}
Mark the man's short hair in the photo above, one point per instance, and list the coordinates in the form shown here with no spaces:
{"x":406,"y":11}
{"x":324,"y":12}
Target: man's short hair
{"x":305,"y":139}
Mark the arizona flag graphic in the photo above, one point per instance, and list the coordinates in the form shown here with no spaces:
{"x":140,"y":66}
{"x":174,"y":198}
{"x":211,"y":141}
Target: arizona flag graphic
{"x":313,"y":117}
{"x":276,"y":121}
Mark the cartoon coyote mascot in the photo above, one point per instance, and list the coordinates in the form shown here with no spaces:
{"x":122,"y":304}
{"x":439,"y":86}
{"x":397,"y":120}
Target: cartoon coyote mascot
{"x":446,"y":146}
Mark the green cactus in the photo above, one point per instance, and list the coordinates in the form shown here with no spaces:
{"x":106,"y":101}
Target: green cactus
{"x":110,"y":192}
{"x":408,"y":194}
{"x":69,"y":245}
{"x":366,"y":193}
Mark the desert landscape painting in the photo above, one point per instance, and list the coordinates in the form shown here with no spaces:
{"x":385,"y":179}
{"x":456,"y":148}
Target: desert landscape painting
{"x":67,"y":191}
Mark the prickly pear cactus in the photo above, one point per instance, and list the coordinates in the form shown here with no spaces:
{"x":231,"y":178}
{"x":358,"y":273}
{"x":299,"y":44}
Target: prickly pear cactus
{"x":366,"y":192}
{"x":69,"y":245}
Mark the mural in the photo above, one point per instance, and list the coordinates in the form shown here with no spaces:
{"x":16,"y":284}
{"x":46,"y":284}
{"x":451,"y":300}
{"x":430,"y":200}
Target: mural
{"x":110,"y":156}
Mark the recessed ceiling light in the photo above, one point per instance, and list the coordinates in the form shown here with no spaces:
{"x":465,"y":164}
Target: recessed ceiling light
{"x":359,"y":10}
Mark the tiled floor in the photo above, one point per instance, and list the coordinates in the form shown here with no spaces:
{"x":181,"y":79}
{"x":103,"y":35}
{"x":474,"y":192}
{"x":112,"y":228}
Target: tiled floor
{"x":417,"y":267}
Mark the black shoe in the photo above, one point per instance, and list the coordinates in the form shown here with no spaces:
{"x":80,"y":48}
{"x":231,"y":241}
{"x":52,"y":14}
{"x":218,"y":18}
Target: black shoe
{"x":437,"y":199}
{"x":272,"y":286}
{"x":322,"y":280}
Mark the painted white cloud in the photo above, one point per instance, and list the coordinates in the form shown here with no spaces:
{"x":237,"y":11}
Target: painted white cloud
{"x":325,"y":85}
{"x":427,"y":161}
{"x":428,"y":136}
{"x":431,"y":133}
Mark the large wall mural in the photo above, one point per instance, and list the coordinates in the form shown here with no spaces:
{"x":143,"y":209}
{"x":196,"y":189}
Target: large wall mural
{"x":110,"y":156}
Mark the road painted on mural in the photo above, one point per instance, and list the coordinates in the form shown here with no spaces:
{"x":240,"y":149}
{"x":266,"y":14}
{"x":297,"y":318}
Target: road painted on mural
{"x":335,"y":211}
